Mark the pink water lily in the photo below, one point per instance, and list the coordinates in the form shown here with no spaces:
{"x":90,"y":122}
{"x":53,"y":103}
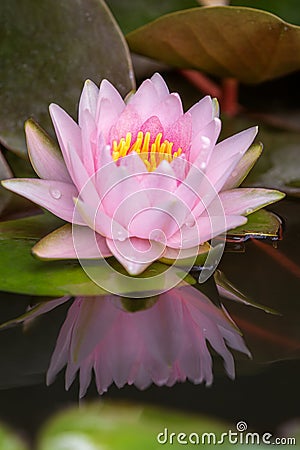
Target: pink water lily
{"x":164,"y":344}
{"x":140,"y":174}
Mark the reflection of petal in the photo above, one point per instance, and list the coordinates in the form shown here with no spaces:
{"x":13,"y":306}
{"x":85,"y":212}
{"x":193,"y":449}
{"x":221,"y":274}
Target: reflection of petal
{"x":163,"y":345}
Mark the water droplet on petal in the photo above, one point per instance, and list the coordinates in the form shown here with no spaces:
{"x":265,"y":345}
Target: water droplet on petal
{"x":234,"y":173}
{"x":121,"y":236}
{"x":55,"y":193}
{"x":203,"y":165}
{"x":205,"y":141}
{"x":190,"y":222}
{"x":249,"y":210}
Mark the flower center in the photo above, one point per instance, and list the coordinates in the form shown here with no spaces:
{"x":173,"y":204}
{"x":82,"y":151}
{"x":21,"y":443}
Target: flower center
{"x":151,"y":154}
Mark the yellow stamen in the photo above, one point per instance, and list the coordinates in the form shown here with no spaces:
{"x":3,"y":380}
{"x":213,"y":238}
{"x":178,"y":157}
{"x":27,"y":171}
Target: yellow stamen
{"x":151,"y":154}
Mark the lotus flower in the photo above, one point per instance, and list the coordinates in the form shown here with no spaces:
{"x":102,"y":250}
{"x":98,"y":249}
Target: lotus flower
{"x":164,"y":344}
{"x":140,"y":175}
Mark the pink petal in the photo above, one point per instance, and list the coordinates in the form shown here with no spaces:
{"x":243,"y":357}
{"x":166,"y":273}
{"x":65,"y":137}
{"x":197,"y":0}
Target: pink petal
{"x":122,"y":196}
{"x":134,"y":165}
{"x":67,"y":131}
{"x":109,"y":108}
{"x":97,"y":220}
{"x":202,"y":114}
{"x":204,"y":142}
{"x":190,"y":190}
{"x":59,"y":244}
{"x":55,"y":196}
{"x":162,"y":220}
{"x":129,"y":121}
{"x":243,"y":167}
{"x":205,"y":228}
{"x":44,"y":155}
{"x":180,"y":167}
{"x":208,"y":199}
{"x":180,"y":132}
{"x":88,"y":101}
{"x":88,"y":140}
{"x":231,"y":148}
{"x":145,"y":99}
{"x":247,"y":200}
{"x":135,"y":254}
{"x":159,"y":183}
{"x":109,"y":92}
{"x":160,"y":85}
{"x":154,"y":126}
{"x":169,"y":110}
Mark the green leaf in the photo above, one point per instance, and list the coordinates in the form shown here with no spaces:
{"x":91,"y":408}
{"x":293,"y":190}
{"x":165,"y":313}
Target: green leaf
{"x":47,"y":50}
{"x":118,"y":426}
{"x":9,"y":441}
{"x":22,"y":273}
{"x":133,"y":14}
{"x":223,"y":41}
{"x":261,"y":224}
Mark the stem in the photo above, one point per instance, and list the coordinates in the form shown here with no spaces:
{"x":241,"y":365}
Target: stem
{"x":202,"y":82}
{"x":229,"y":99}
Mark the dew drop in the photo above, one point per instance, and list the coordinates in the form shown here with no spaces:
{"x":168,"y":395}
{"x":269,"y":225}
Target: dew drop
{"x":203,"y":165}
{"x":249,"y":210}
{"x":55,"y":193}
{"x":121,"y":236}
{"x":234,"y":173}
{"x":190,"y":223}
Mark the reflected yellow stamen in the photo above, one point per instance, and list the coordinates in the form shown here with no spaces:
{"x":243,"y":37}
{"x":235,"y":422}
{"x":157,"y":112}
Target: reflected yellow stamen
{"x":151,"y":154}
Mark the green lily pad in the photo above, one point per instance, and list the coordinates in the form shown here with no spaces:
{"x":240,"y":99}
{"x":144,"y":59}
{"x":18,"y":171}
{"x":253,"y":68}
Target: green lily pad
{"x":225,"y":41}
{"x":119,"y":426}
{"x":22,"y":273}
{"x":261,"y":224}
{"x":47,"y":50}
{"x":9,"y":441}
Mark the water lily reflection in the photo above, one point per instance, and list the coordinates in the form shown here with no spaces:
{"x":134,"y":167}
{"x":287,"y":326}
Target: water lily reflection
{"x":163,"y":342}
